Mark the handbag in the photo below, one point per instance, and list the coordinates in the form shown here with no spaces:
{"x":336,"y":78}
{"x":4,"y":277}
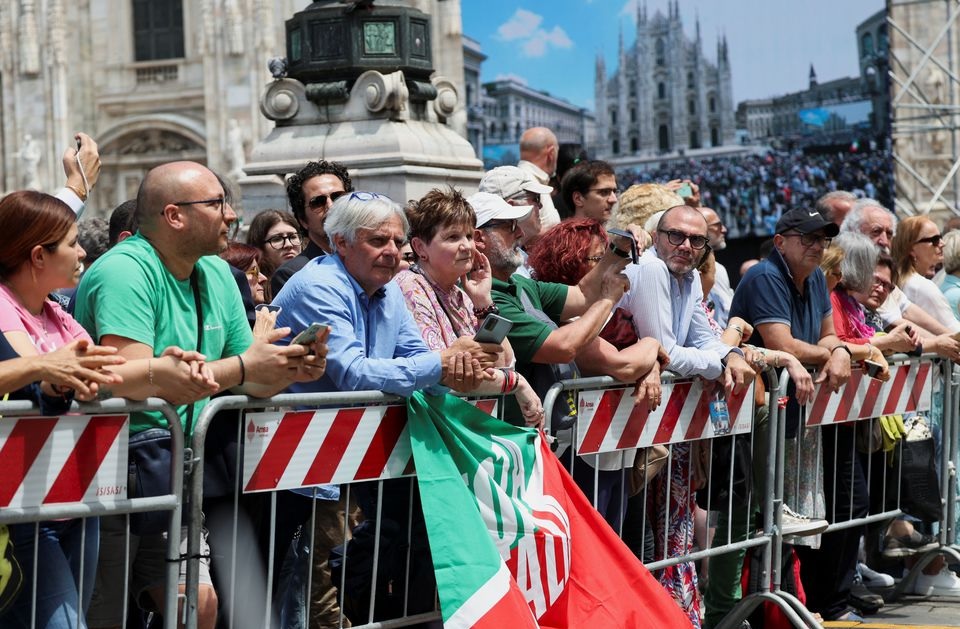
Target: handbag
{"x":914,"y":461}
{"x":11,"y":574}
{"x":647,"y":463}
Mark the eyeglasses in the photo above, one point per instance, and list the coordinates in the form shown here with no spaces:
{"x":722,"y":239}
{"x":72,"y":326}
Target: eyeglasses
{"x":511,"y":225}
{"x":677,"y":238}
{"x":253,"y":272}
{"x":933,"y":240}
{"x":219,"y":203}
{"x":884,"y":284}
{"x":525,"y":198}
{"x":320,"y":201}
{"x":363,"y":195}
{"x":280,"y":240}
{"x":604,"y":192}
{"x":808,"y":240}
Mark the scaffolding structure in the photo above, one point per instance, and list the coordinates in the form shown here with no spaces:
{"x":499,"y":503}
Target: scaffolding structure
{"x":925,"y":104}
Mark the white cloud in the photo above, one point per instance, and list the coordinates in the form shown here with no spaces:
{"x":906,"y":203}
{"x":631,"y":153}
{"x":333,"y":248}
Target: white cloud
{"x":630,"y":8}
{"x":521,"y":25}
{"x":524,"y":27}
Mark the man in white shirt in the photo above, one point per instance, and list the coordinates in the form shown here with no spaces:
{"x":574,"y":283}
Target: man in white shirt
{"x":538,"y":158}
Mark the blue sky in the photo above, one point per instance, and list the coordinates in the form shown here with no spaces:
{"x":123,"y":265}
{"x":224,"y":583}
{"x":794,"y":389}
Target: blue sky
{"x":553,"y":44}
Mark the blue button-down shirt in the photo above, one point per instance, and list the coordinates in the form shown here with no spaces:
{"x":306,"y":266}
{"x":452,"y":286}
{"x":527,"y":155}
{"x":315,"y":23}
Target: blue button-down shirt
{"x":374,"y":343}
{"x":668,"y":309}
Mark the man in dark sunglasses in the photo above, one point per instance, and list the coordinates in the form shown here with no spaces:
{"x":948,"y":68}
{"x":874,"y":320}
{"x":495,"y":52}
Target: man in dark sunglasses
{"x":311,"y":191}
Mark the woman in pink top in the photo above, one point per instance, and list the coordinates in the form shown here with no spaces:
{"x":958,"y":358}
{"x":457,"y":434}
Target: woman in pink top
{"x":39,"y":253}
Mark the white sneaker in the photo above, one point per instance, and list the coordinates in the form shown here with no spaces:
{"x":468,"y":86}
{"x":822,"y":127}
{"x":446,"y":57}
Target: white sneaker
{"x":793,"y":523}
{"x":944,"y":583}
{"x":873,"y":579}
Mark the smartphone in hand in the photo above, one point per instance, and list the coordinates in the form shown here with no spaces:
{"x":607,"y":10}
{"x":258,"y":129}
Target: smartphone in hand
{"x":634,"y":251}
{"x":309,"y":336}
{"x":493,"y":329}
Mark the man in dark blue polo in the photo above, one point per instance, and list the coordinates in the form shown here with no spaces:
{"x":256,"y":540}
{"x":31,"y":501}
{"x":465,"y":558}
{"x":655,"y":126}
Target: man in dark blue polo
{"x":785,"y":299}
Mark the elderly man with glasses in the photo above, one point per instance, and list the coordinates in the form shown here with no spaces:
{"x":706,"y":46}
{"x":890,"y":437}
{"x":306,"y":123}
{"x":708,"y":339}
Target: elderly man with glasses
{"x":375,"y":345}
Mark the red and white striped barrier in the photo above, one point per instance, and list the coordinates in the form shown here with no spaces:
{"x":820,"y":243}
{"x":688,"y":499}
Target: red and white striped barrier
{"x":55,"y":460}
{"x":908,"y":389}
{"x":329,"y":446}
{"x":610,"y":421}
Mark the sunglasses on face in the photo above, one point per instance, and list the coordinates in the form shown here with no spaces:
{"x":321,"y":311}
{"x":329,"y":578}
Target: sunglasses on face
{"x":320,"y":201}
{"x":933,"y":240}
{"x":677,"y":238}
{"x":511,"y":225}
{"x":808,"y":240}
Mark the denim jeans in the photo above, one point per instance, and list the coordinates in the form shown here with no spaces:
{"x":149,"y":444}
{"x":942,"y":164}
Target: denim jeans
{"x":63,"y":551}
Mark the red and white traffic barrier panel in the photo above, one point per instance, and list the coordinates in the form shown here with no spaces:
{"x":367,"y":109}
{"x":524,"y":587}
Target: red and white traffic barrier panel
{"x":329,"y":446}
{"x":56,"y":460}
{"x":610,"y":421}
{"x":909,"y":389}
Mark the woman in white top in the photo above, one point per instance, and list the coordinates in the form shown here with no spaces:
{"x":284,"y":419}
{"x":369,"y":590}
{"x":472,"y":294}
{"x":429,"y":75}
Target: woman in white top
{"x":917,"y":251}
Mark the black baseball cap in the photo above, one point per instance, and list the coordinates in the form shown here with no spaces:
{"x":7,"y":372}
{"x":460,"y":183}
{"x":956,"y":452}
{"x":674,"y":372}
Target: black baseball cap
{"x":806,"y":221}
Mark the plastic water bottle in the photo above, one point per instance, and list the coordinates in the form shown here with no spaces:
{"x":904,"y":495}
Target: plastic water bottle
{"x":719,"y":415}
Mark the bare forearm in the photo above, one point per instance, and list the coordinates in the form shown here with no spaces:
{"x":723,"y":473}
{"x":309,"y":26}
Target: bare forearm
{"x":565,"y":342}
{"x":627,"y":365}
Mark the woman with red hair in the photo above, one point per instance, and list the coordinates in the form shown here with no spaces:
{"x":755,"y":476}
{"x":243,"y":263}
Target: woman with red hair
{"x":564,"y":254}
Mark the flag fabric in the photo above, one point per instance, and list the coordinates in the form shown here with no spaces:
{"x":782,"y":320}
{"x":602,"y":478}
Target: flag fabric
{"x":513,"y":539}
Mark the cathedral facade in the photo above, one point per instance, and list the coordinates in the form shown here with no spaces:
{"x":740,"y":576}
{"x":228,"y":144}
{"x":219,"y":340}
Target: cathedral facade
{"x":664,"y":96}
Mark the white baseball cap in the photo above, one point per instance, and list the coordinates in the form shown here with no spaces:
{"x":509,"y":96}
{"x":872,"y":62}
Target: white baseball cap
{"x":507,"y":181}
{"x":489,"y":207}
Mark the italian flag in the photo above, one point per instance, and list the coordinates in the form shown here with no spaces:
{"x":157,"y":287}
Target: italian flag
{"x":515,"y":543}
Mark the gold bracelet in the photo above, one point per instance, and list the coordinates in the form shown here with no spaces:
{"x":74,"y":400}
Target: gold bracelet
{"x":80,"y":195}
{"x":150,"y":371}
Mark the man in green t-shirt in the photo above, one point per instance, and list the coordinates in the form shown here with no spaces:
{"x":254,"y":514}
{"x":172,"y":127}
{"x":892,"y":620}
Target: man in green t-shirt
{"x":165,"y":287}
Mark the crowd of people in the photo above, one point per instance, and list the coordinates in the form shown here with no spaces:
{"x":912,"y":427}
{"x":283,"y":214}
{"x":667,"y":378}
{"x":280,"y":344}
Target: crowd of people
{"x":170,"y":310}
{"x":751,"y":192}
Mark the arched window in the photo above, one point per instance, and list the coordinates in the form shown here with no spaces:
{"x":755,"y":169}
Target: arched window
{"x":713,"y":105}
{"x":157,"y":29}
{"x":694,"y":140}
{"x":661,"y":52}
{"x":691,"y":106}
{"x":633,"y":87}
{"x":866,"y":44}
{"x":613,"y":116}
{"x":690,"y":83}
{"x":714,"y":136}
{"x":633,"y":114}
{"x":616,"y":147}
{"x":493,"y":129}
{"x":634,"y":145}
{"x":661,"y":90}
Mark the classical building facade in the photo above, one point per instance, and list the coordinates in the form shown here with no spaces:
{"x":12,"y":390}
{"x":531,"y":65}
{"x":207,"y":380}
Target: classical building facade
{"x":152,"y":81}
{"x":510,"y":107}
{"x":664,"y":95}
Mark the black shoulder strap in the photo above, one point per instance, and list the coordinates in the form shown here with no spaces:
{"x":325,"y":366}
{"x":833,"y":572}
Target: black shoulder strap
{"x":195,"y":285}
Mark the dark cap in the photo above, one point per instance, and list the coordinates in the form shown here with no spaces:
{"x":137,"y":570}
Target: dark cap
{"x":806,"y":221}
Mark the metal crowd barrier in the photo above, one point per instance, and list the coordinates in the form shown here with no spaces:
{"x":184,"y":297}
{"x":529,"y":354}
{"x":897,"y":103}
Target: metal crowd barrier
{"x":861,"y":399}
{"x":75,"y":466}
{"x":341,"y":439}
{"x":609,"y":423}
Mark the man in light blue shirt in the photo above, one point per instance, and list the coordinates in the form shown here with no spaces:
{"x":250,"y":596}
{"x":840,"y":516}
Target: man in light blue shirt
{"x":374,"y":345}
{"x":665,"y":296}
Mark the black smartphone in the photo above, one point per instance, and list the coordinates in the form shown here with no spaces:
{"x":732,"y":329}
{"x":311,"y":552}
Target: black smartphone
{"x":634,"y":251}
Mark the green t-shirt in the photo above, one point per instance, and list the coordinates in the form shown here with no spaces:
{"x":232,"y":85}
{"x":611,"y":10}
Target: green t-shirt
{"x":528,"y":333}
{"x":130,"y":293}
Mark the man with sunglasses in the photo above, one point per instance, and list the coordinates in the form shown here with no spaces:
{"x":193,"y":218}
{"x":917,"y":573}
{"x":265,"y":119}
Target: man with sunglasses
{"x":665,"y":302}
{"x":311,"y":192}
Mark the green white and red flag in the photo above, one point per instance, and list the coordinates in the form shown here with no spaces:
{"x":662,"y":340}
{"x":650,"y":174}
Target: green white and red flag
{"x":515,"y":543}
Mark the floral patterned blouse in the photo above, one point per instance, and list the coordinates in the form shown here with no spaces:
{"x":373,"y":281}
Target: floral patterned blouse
{"x":441,"y":315}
